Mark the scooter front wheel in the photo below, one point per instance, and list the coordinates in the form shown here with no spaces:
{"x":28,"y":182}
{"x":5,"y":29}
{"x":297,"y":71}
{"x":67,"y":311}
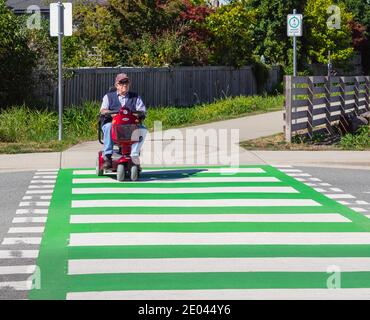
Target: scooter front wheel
{"x":121,"y":172}
{"x":134,"y":173}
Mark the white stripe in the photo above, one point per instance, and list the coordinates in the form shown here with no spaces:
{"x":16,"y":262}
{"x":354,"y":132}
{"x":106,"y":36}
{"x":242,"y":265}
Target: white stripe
{"x":301,"y":179}
{"x":299,"y":175}
{"x":336,"y":189}
{"x":184,"y":170}
{"x":226,"y":294}
{"x":44,"y":177}
{"x":324,"y":184}
{"x":17,"y":285}
{"x":36,"y":197}
{"x":290,"y":170}
{"x":35,"y":240}
{"x":344,"y":202}
{"x":218,"y":238}
{"x":42,"y":187}
{"x":35,"y":203}
{"x":183,"y":180}
{"x":122,"y":218}
{"x":195,"y":203}
{"x":30,"y":220}
{"x":43,"y":181}
{"x":17,"y":269}
{"x":358,"y":209}
{"x":39,"y":191}
{"x":26,"y":230}
{"x":361,"y":202}
{"x":173,"y":265}
{"x":32,"y":211}
{"x":319,"y":190}
{"x":339,"y":196}
{"x":18,"y":254}
{"x":184,"y":190}
{"x":314,"y":179}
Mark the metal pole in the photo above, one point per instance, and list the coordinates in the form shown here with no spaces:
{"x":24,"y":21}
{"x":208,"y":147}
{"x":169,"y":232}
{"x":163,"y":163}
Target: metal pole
{"x":60,"y":72}
{"x":294,"y":51}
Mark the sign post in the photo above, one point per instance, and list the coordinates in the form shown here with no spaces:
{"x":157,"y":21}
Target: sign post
{"x":60,"y":24}
{"x":294,"y":29}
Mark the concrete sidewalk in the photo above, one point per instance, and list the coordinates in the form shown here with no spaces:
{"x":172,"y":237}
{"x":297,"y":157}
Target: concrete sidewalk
{"x":177,"y":147}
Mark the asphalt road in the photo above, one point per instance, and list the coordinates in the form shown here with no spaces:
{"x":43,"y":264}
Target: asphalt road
{"x":351,"y":181}
{"x":12,"y":189}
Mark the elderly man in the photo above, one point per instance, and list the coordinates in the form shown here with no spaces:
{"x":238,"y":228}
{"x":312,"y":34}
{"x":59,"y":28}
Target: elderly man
{"x":113,"y":101}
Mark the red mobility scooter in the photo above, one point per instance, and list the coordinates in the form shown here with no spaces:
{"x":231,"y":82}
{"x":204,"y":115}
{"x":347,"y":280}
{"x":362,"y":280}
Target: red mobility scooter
{"x":124,"y":124}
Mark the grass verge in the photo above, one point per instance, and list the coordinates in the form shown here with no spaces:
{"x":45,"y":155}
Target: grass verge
{"x":24,"y":130}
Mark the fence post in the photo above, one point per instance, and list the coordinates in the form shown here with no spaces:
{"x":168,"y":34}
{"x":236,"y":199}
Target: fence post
{"x":342,"y":84}
{"x":367,"y":92}
{"x":327,"y":87}
{"x":288,"y":108}
{"x":311,"y":88}
{"x":357,"y":98}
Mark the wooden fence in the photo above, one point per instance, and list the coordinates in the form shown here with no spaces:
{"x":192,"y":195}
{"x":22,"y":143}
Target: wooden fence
{"x":315,"y":103}
{"x":179,"y":86}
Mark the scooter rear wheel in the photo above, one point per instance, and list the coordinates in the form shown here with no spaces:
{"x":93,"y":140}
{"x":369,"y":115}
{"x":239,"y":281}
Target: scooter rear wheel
{"x":121,"y":172}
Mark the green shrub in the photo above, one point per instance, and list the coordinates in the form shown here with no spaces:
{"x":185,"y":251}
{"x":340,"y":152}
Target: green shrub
{"x":358,"y":141}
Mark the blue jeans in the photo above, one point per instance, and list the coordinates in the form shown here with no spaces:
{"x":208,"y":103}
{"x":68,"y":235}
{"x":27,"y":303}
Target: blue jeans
{"x":108,"y":142}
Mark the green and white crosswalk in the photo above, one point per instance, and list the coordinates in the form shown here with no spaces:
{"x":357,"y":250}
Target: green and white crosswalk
{"x":199,"y":233}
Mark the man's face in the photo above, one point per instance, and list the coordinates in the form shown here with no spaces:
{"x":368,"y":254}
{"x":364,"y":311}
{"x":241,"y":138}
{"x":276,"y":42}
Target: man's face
{"x":123,"y":87}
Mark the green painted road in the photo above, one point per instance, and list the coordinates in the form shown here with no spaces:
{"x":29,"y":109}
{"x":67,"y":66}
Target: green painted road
{"x":200,"y":233}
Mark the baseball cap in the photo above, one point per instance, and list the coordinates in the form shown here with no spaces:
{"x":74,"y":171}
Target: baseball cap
{"x":121,"y":77}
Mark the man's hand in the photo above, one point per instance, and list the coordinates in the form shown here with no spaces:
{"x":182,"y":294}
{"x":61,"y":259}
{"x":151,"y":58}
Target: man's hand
{"x":107,"y":111}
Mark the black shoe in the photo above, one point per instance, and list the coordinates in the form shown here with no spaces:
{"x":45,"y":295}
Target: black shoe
{"x":107,"y":161}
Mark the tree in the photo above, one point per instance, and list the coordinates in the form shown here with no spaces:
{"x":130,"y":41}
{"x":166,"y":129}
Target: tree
{"x":320,"y":38}
{"x":361,"y":28}
{"x":16,"y":59}
{"x":231,"y":35}
{"x":270,"y":34}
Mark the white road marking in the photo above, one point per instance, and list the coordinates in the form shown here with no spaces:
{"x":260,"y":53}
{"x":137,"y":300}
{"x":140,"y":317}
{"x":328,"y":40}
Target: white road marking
{"x":358,"y":209}
{"x":179,"y":265}
{"x":17,"y":285}
{"x":299,"y":175}
{"x":32,"y":211}
{"x":39,"y":197}
{"x":35,"y":203}
{"x":26,"y":230}
{"x":18,"y":254}
{"x":182,"y":180}
{"x":218,"y":238}
{"x":44,"y":177}
{"x":226,"y":294}
{"x":41,"y":187}
{"x":184,"y":190}
{"x":29,"y":240}
{"x":340,"y":196}
{"x":43,"y":181}
{"x":195,"y":203}
{"x":186,"y":170}
{"x":39,"y":191}
{"x":336,"y":189}
{"x":6,"y":270}
{"x":30,"y":220}
{"x":361,"y":202}
{"x":157,"y":218}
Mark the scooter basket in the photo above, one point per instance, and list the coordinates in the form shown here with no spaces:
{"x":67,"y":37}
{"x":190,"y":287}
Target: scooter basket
{"x":126,"y":133}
